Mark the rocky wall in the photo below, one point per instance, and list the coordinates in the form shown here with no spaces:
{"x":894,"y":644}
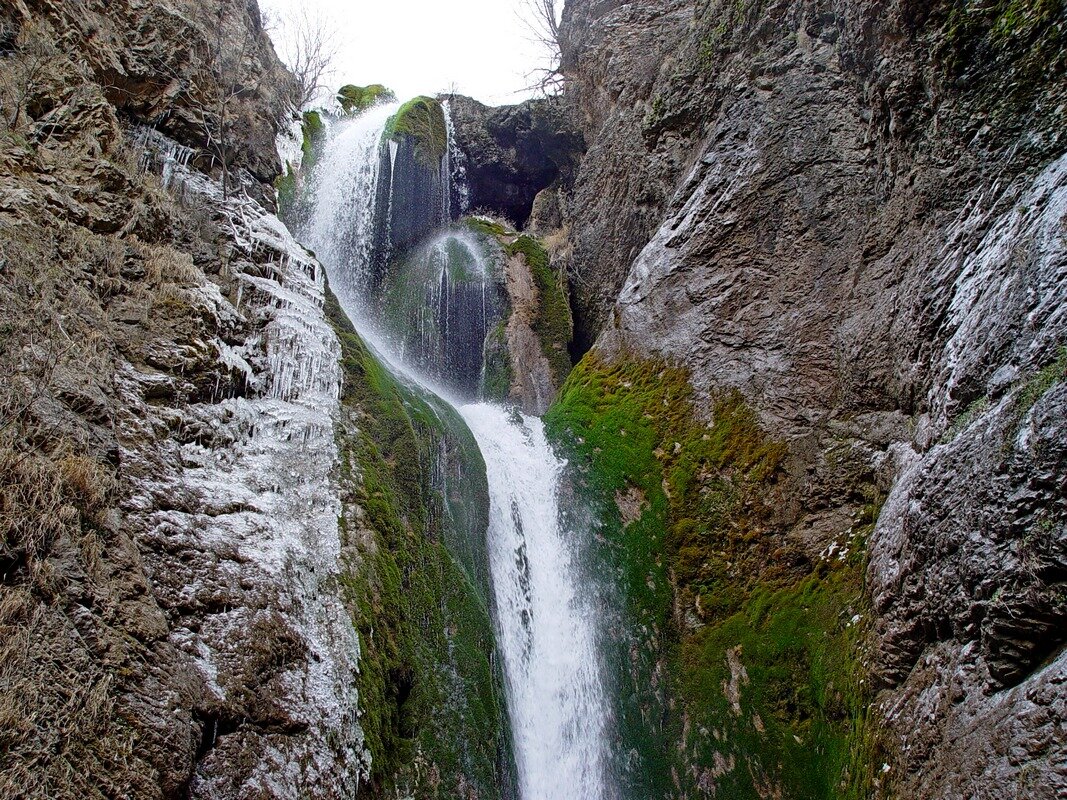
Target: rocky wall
{"x":851,"y":214}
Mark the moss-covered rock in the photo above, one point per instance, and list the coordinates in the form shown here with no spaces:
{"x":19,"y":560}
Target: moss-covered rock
{"x":416,"y":584}
{"x":286,"y":187}
{"x":423,"y":119}
{"x":356,"y":99}
{"x":498,"y":373}
{"x":289,"y":186}
{"x":313,"y":128}
{"x":442,"y":301}
{"x":738,"y":652}
{"x":552,"y":323}
{"x":531,"y":350}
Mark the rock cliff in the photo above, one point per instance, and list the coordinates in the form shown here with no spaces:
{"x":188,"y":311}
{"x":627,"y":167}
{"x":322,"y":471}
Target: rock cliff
{"x":846,"y":218}
{"x":512,"y":153}
{"x":169,"y":629}
{"x":204,"y":559}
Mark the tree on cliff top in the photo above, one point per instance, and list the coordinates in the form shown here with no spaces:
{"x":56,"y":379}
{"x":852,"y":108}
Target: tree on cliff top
{"x":307,"y":43}
{"x":542,"y":20}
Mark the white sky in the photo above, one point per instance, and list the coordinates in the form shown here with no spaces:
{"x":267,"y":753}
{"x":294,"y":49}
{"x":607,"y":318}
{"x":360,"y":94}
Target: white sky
{"x":480,"y":48}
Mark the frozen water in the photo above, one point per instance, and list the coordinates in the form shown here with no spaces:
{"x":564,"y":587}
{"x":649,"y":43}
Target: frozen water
{"x":259,"y":490}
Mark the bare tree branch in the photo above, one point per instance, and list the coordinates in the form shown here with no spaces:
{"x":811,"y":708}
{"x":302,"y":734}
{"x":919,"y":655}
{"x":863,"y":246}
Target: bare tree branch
{"x":541,"y":18}
{"x":214,"y":91}
{"x":308,"y":45}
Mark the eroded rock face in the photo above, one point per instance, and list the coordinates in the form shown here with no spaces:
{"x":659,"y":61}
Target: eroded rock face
{"x":513,"y":152}
{"x":170,"y":549}
{"x":168,"y":64}
{"x":854,"y":215}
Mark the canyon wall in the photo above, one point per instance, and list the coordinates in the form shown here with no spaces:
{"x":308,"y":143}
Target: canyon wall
{"x":216,"y":580}
{"x":829,"y":238}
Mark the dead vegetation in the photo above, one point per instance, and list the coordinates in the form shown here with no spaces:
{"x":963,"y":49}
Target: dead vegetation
{"x":63,"y":730}
{"x":60,"y":733}
{"x":22,"y":69}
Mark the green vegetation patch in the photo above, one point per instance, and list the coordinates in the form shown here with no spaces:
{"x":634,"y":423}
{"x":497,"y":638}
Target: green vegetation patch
{"x":553,"y":324}
{"x":498,"y":374}
{"x":489,"y":227}
{"x":1045,"y":379}
{"x":313,"y":130}
{"x":1009,"y":49}
{"x":286,"y":187}
{"x":415,"y":582}
{"x":357,"y":99}
{"x":740,"y":653}
{"x":727,"y":25}
{"x":423,"y":120}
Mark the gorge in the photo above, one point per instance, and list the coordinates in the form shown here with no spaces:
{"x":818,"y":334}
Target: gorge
{"x":697,"y":432}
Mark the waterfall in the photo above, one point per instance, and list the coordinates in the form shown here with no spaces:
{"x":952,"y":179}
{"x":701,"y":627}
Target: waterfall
{"x":459,"y":192}
{"x":345,"y":204}
{"x":555,"y":696}
{"x":545,"y":631}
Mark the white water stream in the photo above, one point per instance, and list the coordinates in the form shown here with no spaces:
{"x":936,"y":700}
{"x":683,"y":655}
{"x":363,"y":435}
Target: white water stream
{"x":555,"y":695}
{"x":547,"y":638}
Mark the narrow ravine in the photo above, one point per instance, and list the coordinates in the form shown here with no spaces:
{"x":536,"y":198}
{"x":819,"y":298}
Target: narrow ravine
{"x":546,"y":636}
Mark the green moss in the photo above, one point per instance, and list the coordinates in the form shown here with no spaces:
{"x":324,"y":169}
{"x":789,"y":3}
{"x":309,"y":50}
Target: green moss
{"x":553,"y":324}
{"x":705,"y":586}
{"x":416,"y":585}
{"x":357,"y":99}
{"x":488,"y":227}
{"x":727,"y":27}
{"x":1009,"y":50}
{"x":973,"y":411}
{"x":313,"y":129}
{"x":1045,"y":379}
{"x":423,"y":119}
{"x":498,"y":373}
{"x":285,"y":186}
{"x":1003,"y":24}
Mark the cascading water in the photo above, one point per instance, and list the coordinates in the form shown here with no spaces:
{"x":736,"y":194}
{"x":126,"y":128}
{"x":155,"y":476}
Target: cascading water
{"x":548,"y":640}
{"x":554,"y":689}
{"x":345,"y":206}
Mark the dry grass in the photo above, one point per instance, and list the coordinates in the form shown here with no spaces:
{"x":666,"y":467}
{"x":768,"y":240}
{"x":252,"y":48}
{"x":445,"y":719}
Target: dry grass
{"x":22,"y":72}
{"x":63,"y":733}
{"x":60,"y":733}
{"x":558,"y":241}
{"x":165,"y":265}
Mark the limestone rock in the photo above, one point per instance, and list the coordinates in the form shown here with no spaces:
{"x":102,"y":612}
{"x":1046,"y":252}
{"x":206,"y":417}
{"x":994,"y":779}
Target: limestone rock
{"x":513,"y":152}
{"x":854,"y":216}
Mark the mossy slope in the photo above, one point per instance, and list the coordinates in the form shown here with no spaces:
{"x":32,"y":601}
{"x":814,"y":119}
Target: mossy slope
{"x":739,"y":653}
{"x":415,"y":581}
